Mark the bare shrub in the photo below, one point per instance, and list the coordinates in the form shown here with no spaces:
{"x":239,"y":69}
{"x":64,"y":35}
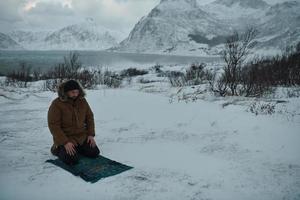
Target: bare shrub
{"x":175,"y":78}
{"x":253,"y":81}
{"x":196,"y":74}
{"x":72,"y":68}
{"x":218,"y":84}
{"x":52,"y":84}
{"x":234,"y":54}
{"x":250,"y":79}
{"x":261,"y":75}
{"x":87,"y":78}
{"x":20,"y":77}
{"x":109,"y":78}
{"x":69,"y":69}
{"x":133,"y":72}
{"x":157,"y":68}
{"x":293,"y":92}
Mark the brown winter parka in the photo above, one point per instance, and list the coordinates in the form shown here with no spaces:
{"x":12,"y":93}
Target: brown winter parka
{"x":70,"y":120}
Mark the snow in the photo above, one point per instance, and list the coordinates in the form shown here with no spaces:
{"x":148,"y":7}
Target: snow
{"x":213,"y":148}
{"x":236,"y":11}
{"x":167,"y":28}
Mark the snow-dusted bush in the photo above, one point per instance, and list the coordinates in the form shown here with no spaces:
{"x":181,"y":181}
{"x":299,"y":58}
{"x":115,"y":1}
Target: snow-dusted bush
{"x":175,"y":78}
{"x":262,"y":108}
{"x":109,"y":78}
{"x":89,"y":79}
{"x":293,"y":92}
{"x":157,"y":68}
{"x":218,"y":85}
{"x":72,"y":68}
{"x":51,"y":84}
{"x":196,"y":74}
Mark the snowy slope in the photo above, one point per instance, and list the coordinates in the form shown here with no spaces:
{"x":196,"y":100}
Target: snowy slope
{"x":167,"y":28}
{"x":186,"y":27}
{"x":200,"y":150}
{"x":282,"y":21}
{"x":87,"y":35}
{"x":7,"y":43}
{"x":30,"y":39}
{"x":238,"y":14}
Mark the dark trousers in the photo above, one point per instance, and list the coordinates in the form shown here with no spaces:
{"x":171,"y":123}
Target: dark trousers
{"x":85,"y":149}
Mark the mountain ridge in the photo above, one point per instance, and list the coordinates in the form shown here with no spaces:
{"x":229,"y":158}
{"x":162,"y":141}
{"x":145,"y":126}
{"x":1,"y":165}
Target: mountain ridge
{"x":7,"y":43}
{"x":185,"y":26}
{"x":87,"y":35}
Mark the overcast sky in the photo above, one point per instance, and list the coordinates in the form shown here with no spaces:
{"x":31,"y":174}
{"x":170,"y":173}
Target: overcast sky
{"x":120,"y":15}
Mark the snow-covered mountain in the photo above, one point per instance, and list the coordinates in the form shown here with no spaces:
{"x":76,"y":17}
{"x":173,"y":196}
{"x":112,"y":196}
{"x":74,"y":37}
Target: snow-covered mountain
{"x":7,"y":43}
{"x":83,"y":36}
{"x":30,"y":40}
{"x":178,"y":27}
{"x":281,"y":25}
{"x":187,"y":27}
{"x":237,"y":14}
{"x":168,"y":27}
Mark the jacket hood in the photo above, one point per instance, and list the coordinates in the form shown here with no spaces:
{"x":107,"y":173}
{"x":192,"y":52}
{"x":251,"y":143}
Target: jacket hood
{"x":63,"y":95}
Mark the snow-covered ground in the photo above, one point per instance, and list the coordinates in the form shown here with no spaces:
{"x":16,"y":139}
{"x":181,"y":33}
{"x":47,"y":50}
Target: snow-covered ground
{"x":207,"y":149}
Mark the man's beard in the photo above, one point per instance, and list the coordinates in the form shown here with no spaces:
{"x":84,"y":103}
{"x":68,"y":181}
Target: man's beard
{"x":73,"y":98}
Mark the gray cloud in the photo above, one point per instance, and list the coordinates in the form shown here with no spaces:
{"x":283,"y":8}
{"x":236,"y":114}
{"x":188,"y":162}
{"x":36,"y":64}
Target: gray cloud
{"x":50,"y":8}
{"x":119,"y":15}
{"x":10,"y":10}
{"x":48,"y":15}
{"x":115,"y":14}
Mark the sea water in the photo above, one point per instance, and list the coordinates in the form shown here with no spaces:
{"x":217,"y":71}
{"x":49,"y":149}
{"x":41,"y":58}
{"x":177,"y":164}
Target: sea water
{"x":44,"y":60}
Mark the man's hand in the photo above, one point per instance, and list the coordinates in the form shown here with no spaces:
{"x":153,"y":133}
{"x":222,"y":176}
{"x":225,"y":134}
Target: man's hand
{"x":91,"y":141}
{"x":70,"y":148}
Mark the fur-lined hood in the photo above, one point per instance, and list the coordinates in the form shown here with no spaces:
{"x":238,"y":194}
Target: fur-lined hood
{"x":63,"y":96}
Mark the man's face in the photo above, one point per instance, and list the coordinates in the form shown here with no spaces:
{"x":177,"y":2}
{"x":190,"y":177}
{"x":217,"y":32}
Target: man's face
{"x":73,"y":94}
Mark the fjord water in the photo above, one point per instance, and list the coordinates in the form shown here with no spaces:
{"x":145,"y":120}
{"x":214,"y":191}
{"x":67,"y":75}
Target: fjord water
{"x":10,"y":60}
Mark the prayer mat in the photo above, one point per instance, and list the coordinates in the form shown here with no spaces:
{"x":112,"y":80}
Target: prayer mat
{"x":93,"y":169}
